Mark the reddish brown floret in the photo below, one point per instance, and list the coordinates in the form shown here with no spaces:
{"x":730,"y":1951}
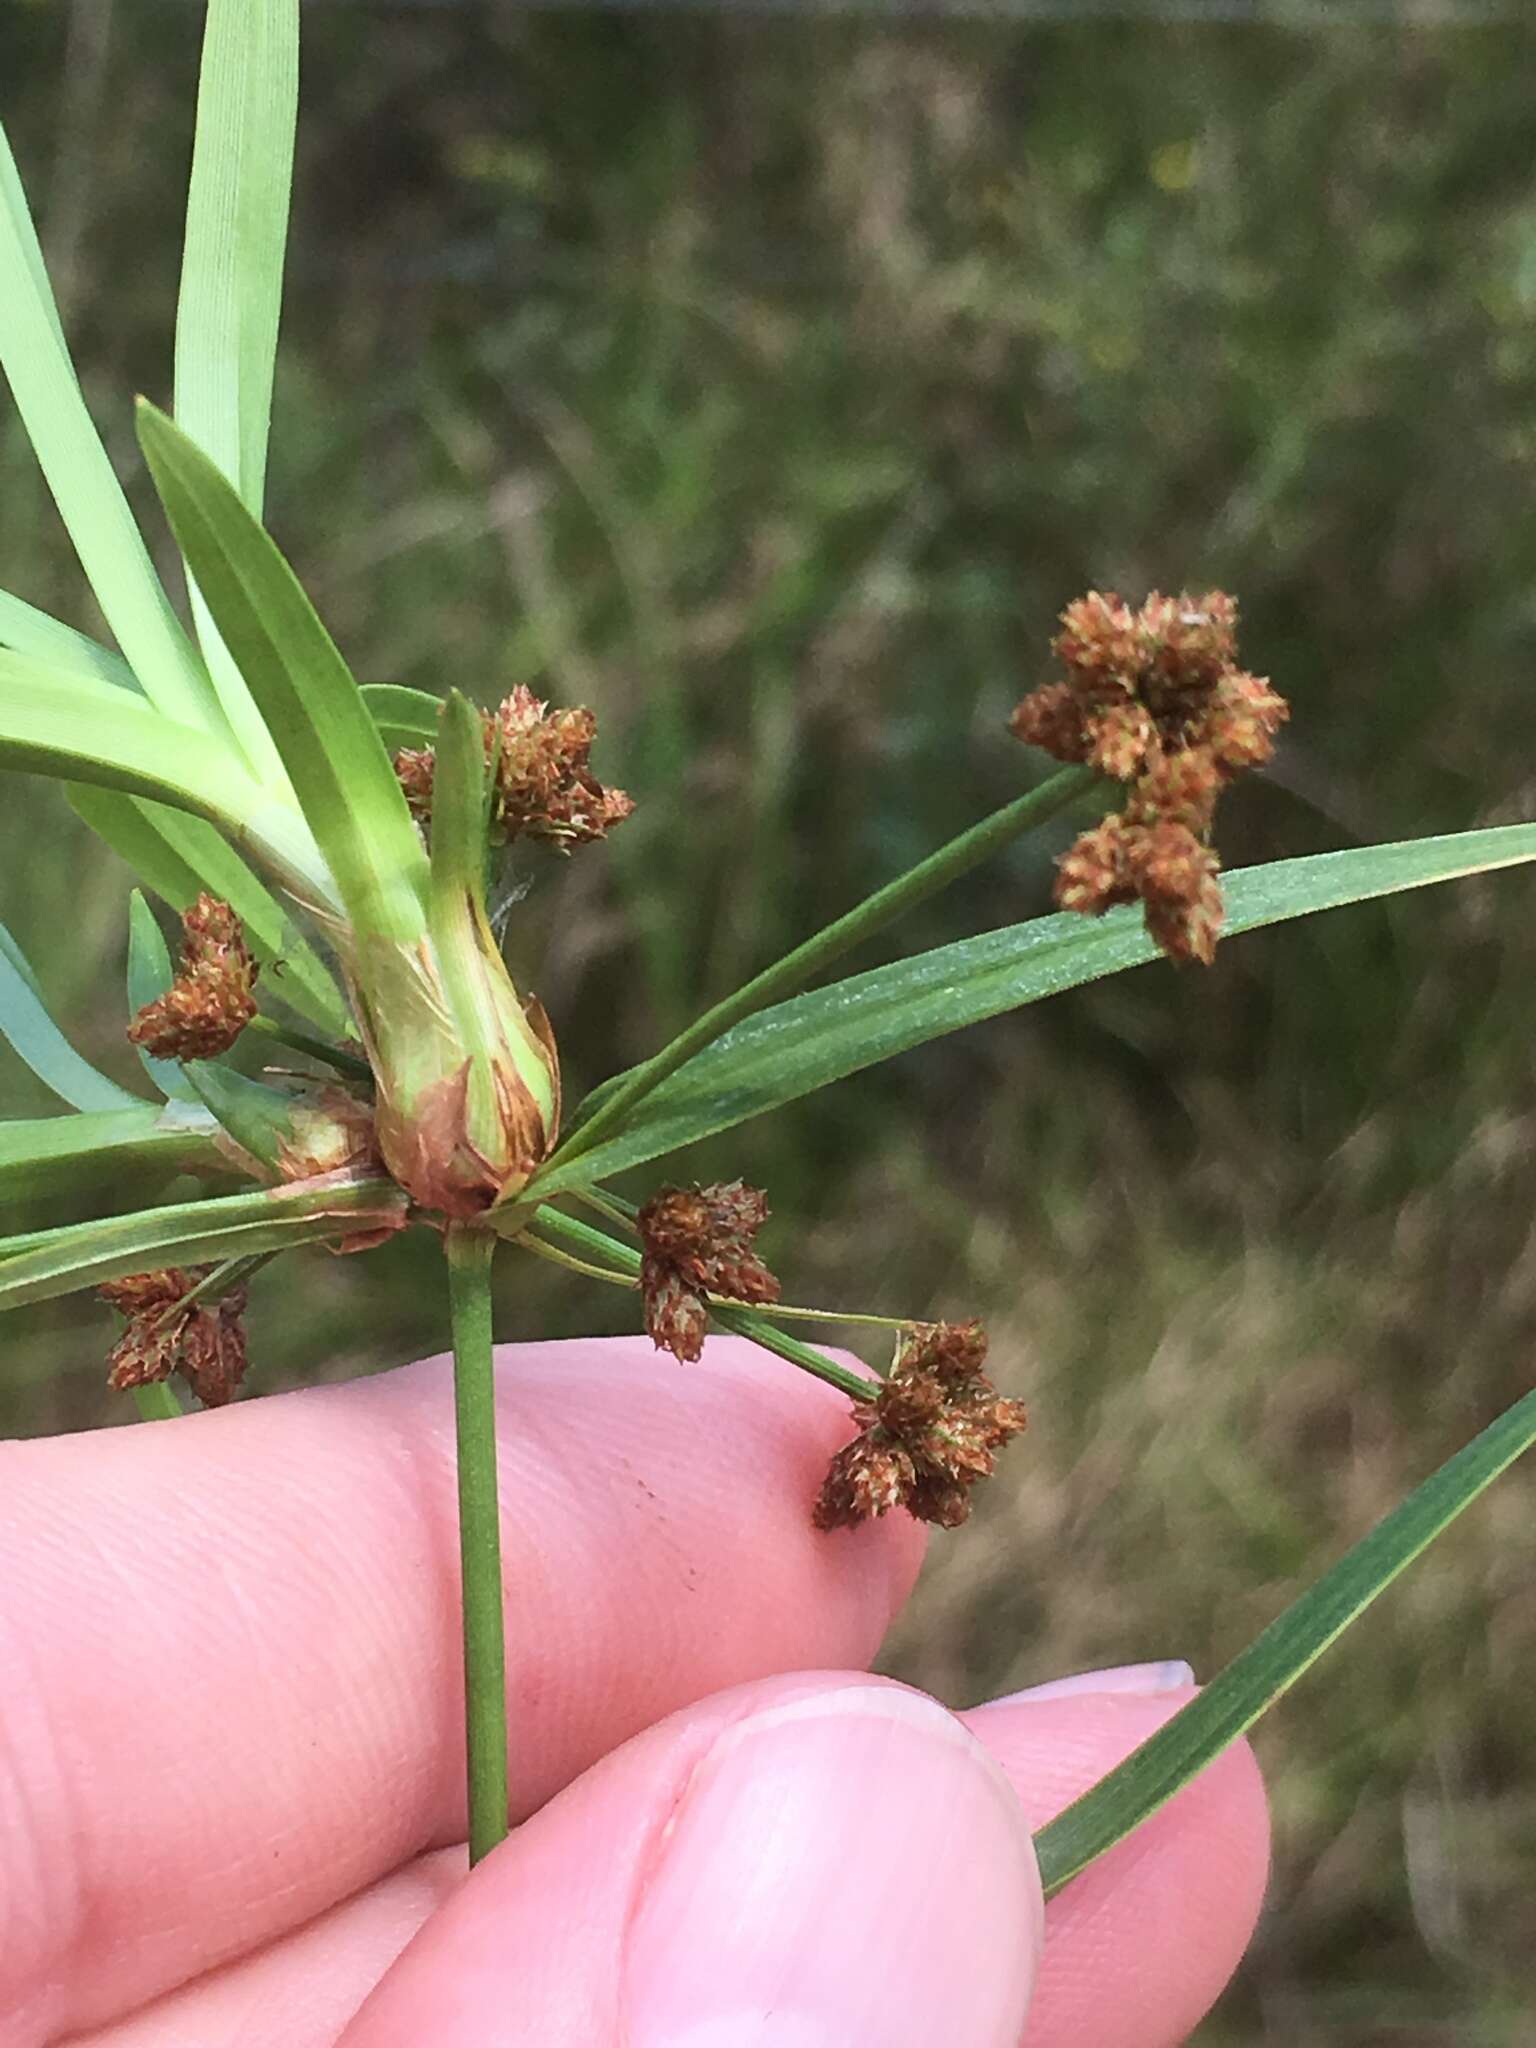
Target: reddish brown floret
{"x":210,"y":1002}
{"x":543,"y":785}
{"x":698,"y":1242}
{"x":202,"y":1340}
{"x":1153,"y":699}
{"x":928,"y":1436}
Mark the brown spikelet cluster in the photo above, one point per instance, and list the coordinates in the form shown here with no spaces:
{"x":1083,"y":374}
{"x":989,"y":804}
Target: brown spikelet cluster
{"x":930,"y":1433}
{"x":202,"y":1340}
{"x":544,"y":785}
{"x":697,"y":1242}
{"x":1154,"y":699}
{"x":210,"y":1002}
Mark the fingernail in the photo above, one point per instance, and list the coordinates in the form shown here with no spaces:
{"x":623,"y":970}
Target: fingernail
{"x":1145,"y":1679}
{"x":846,"y":1867}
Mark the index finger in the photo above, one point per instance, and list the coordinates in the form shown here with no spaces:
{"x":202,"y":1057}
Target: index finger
{"x":232,"y":1641}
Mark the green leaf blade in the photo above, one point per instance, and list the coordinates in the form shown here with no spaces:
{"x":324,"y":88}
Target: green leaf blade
{"x":1273,"y":1661}
{"x":30,"y":631}
{"x":150,"y":974}
{"x":799,"y":1046}
{"x":237,"y":226}
{"x":42,"y":1158}
{"x":90,"y":499}
{"x":53,"y":1262}
{"x":313,"y":709}
{"x":178,"y":856}
{"x":30,"y":1031}
{"x":404,"y":717}
{"x":231,"y":283}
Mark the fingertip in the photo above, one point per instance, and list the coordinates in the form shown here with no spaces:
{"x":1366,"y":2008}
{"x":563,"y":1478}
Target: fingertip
{"x":816,"y":1861}
{"x":936,"y":1938}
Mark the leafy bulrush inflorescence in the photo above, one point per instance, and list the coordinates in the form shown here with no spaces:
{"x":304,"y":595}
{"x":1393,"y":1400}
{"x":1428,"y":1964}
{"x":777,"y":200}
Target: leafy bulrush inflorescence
{"x":1153,"y":699}
{"x":202,"y":1340}
{"x":927,"y":1437}
{"x":210,"y":1002}
{"x":543,"y":787}
{"x":698,"y":1242}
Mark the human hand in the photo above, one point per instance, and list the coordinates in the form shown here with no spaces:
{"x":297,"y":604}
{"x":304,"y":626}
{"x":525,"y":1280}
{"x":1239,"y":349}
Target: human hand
{"x":231,"y":1767}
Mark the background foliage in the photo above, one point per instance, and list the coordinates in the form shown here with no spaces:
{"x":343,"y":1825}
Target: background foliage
{"x":768,"y":385}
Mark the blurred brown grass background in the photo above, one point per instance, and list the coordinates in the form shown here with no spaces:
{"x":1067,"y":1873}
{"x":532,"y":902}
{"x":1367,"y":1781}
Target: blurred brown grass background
{"x":768,"y":385}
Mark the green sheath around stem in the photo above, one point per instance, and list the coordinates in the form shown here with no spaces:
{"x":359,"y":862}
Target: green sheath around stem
{"x":485,"y":1657}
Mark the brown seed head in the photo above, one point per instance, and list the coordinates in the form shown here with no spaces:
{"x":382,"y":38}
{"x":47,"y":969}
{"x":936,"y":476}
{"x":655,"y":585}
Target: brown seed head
{"x":1052,"y":719}
{"x":203,"y":1340}
{"x":927,"y":1437}
{"x":698,"y":1241}
{"x":210,"y":1002}
{"x":1153,"y":699}
{"x":544,"y":787}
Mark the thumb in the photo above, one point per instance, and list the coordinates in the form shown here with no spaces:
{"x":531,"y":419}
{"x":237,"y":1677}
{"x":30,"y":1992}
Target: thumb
{"x":815,"y":1861}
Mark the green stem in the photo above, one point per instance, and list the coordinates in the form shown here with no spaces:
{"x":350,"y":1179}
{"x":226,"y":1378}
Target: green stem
{"x":781,"y":1310}
{"x":157,"y":1402}
{"x":526,"y":1241}
{"x":748,"y":1322}
{"x":790,"y":974}
{"x":485,"y":1658}
{"x":317,"y":1048}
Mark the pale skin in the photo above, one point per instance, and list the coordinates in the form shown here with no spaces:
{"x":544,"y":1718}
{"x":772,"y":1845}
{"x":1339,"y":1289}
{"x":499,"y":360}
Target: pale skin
{"x":230,"y":1747}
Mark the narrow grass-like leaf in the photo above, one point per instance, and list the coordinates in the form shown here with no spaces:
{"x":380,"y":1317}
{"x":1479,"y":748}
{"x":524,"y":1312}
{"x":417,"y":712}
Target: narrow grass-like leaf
{"x":177,"y":856}
{"x":29,"y":631}
{"x":31,"y":1032}
{"x":111,"y":550}
{"x":237,"y":228}
{"x":313,"y":709}
{"x":43,"y":1157}
{"x":55,"y":722}
{"x":405,"y":717}
{"x":150,"y":974}
{"x":232,"y":281}
{"x":609,"y":1108}
{"x":81,"y":1255}
{"x":1273,"y":1661}
{"x":803,"y":1045}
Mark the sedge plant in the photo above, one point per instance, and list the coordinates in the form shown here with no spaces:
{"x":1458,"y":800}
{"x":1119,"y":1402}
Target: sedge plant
{"x":341,"y":1053}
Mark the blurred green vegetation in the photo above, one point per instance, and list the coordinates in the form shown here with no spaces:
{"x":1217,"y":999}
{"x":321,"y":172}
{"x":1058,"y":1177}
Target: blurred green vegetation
{"x":769,"y":386}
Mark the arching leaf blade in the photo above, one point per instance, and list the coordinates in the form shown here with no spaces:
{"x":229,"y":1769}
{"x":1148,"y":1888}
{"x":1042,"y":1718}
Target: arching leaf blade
{"x":404,"y":717}
{"x":313,"y":709}
{"x":53,"y":1262}
{"x":178,"y":856}
{"x":81,"y":478}
{"x":42,"y":1158}
{"x":54,"y":722}
{"x":1151,"y":1775}
{"x":33,"y":1035}
{"x":30,"y":631}
{"x":815,"y":1039}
